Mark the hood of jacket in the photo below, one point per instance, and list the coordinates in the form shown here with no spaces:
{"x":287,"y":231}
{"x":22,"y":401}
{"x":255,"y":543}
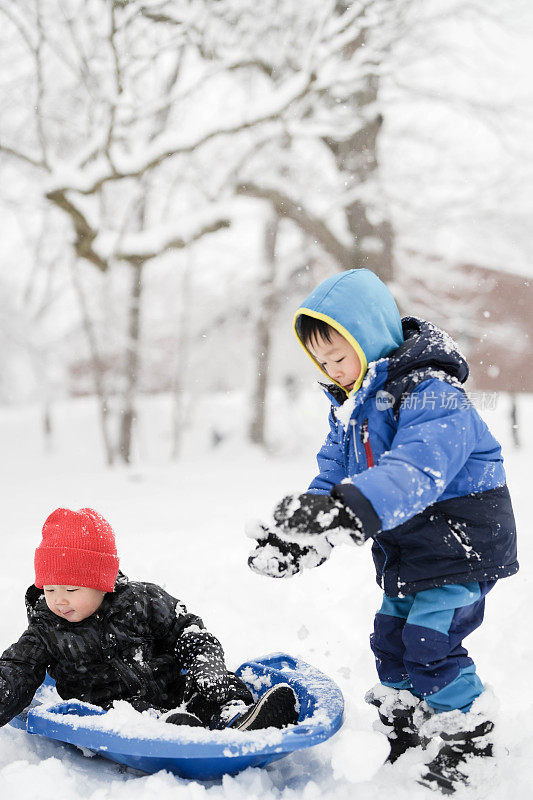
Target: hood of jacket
{"x":427,"y":351}
{"x":358,"y":305}
{"x":426,"y":348}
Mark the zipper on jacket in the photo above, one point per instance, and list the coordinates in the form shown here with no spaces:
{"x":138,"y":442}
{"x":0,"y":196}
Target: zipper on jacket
{"x":353,"y":423}
{"x":365,"y":439}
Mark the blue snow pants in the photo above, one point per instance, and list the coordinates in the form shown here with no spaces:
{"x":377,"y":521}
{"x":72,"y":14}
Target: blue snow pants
{"x":417,"y":643}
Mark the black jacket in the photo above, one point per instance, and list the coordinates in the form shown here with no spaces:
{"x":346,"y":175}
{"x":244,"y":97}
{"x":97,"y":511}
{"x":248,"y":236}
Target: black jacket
{"x":134,"y":647}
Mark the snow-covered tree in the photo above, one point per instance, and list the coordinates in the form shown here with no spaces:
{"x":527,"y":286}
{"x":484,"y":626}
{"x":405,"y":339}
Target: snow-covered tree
{"x":147,"y":126}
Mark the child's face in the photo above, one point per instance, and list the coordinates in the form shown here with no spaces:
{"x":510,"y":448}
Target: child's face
{"x":337,"y":358}
{"x":73,"y":603}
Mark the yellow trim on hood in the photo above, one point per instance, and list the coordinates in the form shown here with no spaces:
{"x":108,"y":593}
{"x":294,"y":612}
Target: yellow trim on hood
{"x":343,"y":332}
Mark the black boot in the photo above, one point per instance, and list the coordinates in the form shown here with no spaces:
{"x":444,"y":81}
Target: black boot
{"x":184,"y":718}
{"x":395,"y":709}
{"x":444,"y":771}
{"x":276,"y":708}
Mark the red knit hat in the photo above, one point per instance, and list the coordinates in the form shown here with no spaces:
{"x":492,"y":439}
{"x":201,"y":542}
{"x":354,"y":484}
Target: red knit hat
{"x":78,"y":549}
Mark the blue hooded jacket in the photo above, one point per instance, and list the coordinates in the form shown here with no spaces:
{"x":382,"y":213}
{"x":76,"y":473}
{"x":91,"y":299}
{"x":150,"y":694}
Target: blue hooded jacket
{"x":407,"y":450}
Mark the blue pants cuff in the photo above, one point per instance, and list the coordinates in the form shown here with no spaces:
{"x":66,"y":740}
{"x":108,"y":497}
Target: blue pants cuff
{"x":458,"y":694}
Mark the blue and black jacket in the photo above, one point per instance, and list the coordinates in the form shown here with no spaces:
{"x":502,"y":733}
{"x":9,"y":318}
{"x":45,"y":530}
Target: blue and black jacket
{"x":406,"y":450}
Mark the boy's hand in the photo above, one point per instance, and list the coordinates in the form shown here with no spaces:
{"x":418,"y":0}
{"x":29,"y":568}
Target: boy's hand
{"x":306,"y":527}
{"x":304,"y":517}
{"x":210,"y":678}
{"x":276,"y":557}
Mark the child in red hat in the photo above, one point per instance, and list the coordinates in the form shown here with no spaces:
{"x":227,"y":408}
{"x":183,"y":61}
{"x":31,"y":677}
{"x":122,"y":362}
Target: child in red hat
{"x":105,"y":638}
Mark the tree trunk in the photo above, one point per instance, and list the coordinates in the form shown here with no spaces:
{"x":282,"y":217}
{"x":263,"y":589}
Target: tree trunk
{"x":131,"y":367}
{"x":357,"y":157}
{"x":263,"y":328}
{"x":179,"y":412}
{"x":515,"y":431}
{"x":47,"y":425}
{"x":98,"y":369}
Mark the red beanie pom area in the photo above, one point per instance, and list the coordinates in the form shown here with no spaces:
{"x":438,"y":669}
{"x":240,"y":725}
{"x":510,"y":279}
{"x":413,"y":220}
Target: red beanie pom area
{"x":77,"y":549}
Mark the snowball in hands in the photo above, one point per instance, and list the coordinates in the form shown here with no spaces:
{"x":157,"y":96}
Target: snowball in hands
{"x":313,"y":515}
{"x":277,"y":557}
{"x":302,"y":536}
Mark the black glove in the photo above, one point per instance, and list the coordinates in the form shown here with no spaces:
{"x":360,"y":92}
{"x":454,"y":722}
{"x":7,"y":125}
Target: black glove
{"x":278,"y":558}
{"x":309,"y":514}
{"x":210,"y":677}
{"x":305,"y":529}
{"x":201,"y":655}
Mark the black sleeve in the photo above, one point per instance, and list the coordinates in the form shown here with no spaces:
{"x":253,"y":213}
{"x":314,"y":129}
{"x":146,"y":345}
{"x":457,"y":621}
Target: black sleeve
{"x":184,"y":634}
{"x":350,"y":495}
{"x":22,"y":669}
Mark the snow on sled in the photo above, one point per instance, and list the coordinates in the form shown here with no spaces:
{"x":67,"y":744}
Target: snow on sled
{"x":147,"y":744}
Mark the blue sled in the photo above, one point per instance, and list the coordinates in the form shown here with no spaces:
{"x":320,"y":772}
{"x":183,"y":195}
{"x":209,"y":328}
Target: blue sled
{"x":321,"y":715}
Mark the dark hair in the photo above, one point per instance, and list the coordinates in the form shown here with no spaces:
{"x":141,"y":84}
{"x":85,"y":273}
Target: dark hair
{"x":309,"y":328}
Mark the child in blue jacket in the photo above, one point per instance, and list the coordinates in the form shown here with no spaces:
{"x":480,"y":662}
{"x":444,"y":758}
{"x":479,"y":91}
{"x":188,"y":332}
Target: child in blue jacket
{"x":409,"y":463}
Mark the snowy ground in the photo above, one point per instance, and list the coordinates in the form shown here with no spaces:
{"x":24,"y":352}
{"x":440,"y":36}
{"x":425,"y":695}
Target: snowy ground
{"x":181,"y":525}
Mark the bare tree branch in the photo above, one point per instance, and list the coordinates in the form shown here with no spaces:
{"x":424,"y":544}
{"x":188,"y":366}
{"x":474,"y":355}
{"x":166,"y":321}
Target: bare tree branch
{"x":173,"y":243}
{"x":85,"y":234}
{"x":171,"y":99}
{"x":28,"y":159}
{"x":164,"y":152}
{"x":20,"y":26}
{"x":117,"y":74}
{"x":314,"y":226}
{"x":41,"y":134}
